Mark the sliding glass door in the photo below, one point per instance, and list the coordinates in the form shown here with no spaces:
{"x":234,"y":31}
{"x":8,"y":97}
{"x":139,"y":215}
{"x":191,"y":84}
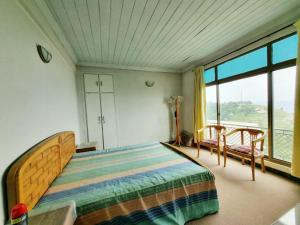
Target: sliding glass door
{"x":257,"y":90}
{"x":244,"y":103}
{"x":211,"y":104}
{"x":283,"y":112}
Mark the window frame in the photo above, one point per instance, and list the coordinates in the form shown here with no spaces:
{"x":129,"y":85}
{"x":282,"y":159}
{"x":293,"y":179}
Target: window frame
{"x":269,"y":69}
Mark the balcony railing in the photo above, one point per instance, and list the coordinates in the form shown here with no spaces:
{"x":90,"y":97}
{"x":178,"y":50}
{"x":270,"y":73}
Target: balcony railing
{"x":282,"y":141}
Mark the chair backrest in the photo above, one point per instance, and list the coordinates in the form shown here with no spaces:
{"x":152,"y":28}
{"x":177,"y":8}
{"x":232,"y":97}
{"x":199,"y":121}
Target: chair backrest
{"x":215,"y":131}
{"x":253,"y":134}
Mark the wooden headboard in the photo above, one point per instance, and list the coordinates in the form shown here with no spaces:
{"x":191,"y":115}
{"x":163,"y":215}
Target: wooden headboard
{"x":31,"y":175}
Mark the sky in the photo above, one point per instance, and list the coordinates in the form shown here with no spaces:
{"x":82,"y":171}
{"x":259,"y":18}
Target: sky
{"x":255,"y":89}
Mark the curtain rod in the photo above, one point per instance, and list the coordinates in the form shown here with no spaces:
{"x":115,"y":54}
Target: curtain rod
{"x":249,"y":44}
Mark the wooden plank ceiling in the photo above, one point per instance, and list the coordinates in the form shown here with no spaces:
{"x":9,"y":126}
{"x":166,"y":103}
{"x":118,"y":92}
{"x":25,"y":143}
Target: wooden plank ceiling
{"x":165,"y":34}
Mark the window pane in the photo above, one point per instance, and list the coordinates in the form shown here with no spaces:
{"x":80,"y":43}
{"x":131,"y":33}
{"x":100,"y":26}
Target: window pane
{"x":251,"y":61}
{"x":244,"y":103}
{"x":211,"y":104}
{"x":285,"y":49}
{"x":209,"y":75}
{"x":283,"y":112}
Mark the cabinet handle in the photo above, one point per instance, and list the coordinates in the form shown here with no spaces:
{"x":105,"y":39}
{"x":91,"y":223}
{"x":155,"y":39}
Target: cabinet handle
{"x":99,"y":119}
{"x":103,"y":120}
{"x":97,"y":83}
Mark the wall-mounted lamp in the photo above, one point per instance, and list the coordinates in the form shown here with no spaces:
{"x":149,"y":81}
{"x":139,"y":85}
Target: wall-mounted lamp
{"x":149,"y":83}
{"x":44,"y":54}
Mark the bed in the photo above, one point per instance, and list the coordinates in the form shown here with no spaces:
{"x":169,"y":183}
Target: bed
{"x":151,"y":183}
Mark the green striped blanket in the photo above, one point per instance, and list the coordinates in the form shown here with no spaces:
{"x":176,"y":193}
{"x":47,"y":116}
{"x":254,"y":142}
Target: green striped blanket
{"x":140,"y":184}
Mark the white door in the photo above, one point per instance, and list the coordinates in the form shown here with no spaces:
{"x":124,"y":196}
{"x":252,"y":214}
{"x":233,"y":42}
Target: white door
{"x":107,"y":84}
{"x":91,"y":83}
{"x":93,"y":113}
{"x":109,"y":120}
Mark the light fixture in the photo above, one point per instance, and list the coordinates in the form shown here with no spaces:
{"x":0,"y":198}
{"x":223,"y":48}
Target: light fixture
{"x":149,"y":83}
{"x":44,"y":54}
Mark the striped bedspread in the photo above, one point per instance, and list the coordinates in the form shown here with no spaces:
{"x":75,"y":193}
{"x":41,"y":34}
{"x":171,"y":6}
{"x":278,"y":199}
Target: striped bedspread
{"x":141,"y":184}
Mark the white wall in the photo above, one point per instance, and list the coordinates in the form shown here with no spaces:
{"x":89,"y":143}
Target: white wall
{"x":37,"y":99}
{"x":142,"y":113}
{"x":188,"y":103}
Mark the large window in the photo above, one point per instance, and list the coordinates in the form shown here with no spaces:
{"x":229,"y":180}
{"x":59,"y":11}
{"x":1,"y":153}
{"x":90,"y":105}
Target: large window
{"x":211,"y":104}
{"x":259,"y":94}
{"x":209,"y":75}
{"x":285,"y":49}
{"x":244,"y":103}
{"x":283,"y":112}
{"x":248,"y":62}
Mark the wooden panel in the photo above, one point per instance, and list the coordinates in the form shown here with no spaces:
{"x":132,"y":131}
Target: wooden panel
{"x":156,"y":17}
{"x":93,"y":8}
{"x":68,"y":148}
{"x":128,"y":7}
{"x":93,"y":113}
{"x":172,"y":7}
{"x":109,"y":120}
{"x":173,"y":24}
{"x":58,"y":10}
{"x":83,"y":15}
{"x":231,"y":18}
{"x":165,"y":34}
{"x":135,"y":19}
{"x":71,"y":14}
{"x":91,"y":83}
{"x":195,"y":30}
{"x":105,"y":11}
{"x":116,"y":14}
{"x":30,"y":176}
{"x":107,"y":84}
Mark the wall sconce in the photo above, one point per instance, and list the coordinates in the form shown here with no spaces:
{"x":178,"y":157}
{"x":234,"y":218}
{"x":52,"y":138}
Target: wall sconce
{"x":149,"y":83}
{"x":44,"y":54}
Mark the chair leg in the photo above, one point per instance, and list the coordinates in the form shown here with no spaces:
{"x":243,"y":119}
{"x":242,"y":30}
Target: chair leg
{"x":263,"y":168}
{"x":252,"y":168}
{"x":198,"y":147}
{"x":225,"y":157}
{"x":218,"y":151}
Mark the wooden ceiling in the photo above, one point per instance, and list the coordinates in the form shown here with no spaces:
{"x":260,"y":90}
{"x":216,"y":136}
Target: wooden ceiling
{"x":164,"y":34}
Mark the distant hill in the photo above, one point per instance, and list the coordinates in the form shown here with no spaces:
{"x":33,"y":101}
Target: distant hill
{"x":246,"y":111}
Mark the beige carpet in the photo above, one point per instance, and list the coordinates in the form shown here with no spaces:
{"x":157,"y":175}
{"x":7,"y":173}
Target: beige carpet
{"x":247,"y":202}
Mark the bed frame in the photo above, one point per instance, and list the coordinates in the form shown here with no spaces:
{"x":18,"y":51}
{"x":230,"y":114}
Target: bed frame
{"x":31,"y":175}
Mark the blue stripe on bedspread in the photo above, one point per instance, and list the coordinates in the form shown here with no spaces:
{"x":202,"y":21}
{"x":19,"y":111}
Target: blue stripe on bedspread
{"x":163,"y":210}
{"x":116,"y":182}
{"x":111,"y":150}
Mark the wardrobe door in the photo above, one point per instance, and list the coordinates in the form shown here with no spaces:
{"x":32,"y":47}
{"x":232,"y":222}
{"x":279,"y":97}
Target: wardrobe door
{"x":91,"y":83}
{"x":107,"y":84}
{"x":93,"y":113}
{"x":109,"y":120}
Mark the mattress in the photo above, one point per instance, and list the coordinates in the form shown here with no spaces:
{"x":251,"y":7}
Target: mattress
{"x":140,"y":184}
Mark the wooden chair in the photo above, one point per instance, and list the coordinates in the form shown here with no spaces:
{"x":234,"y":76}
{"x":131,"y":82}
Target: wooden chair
{"x":213,"y":141}
{"x":246,"y":151}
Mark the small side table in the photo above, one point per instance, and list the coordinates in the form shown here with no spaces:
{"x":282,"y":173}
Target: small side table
{"x":86,"y":147}
{"x":61,"y":214}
